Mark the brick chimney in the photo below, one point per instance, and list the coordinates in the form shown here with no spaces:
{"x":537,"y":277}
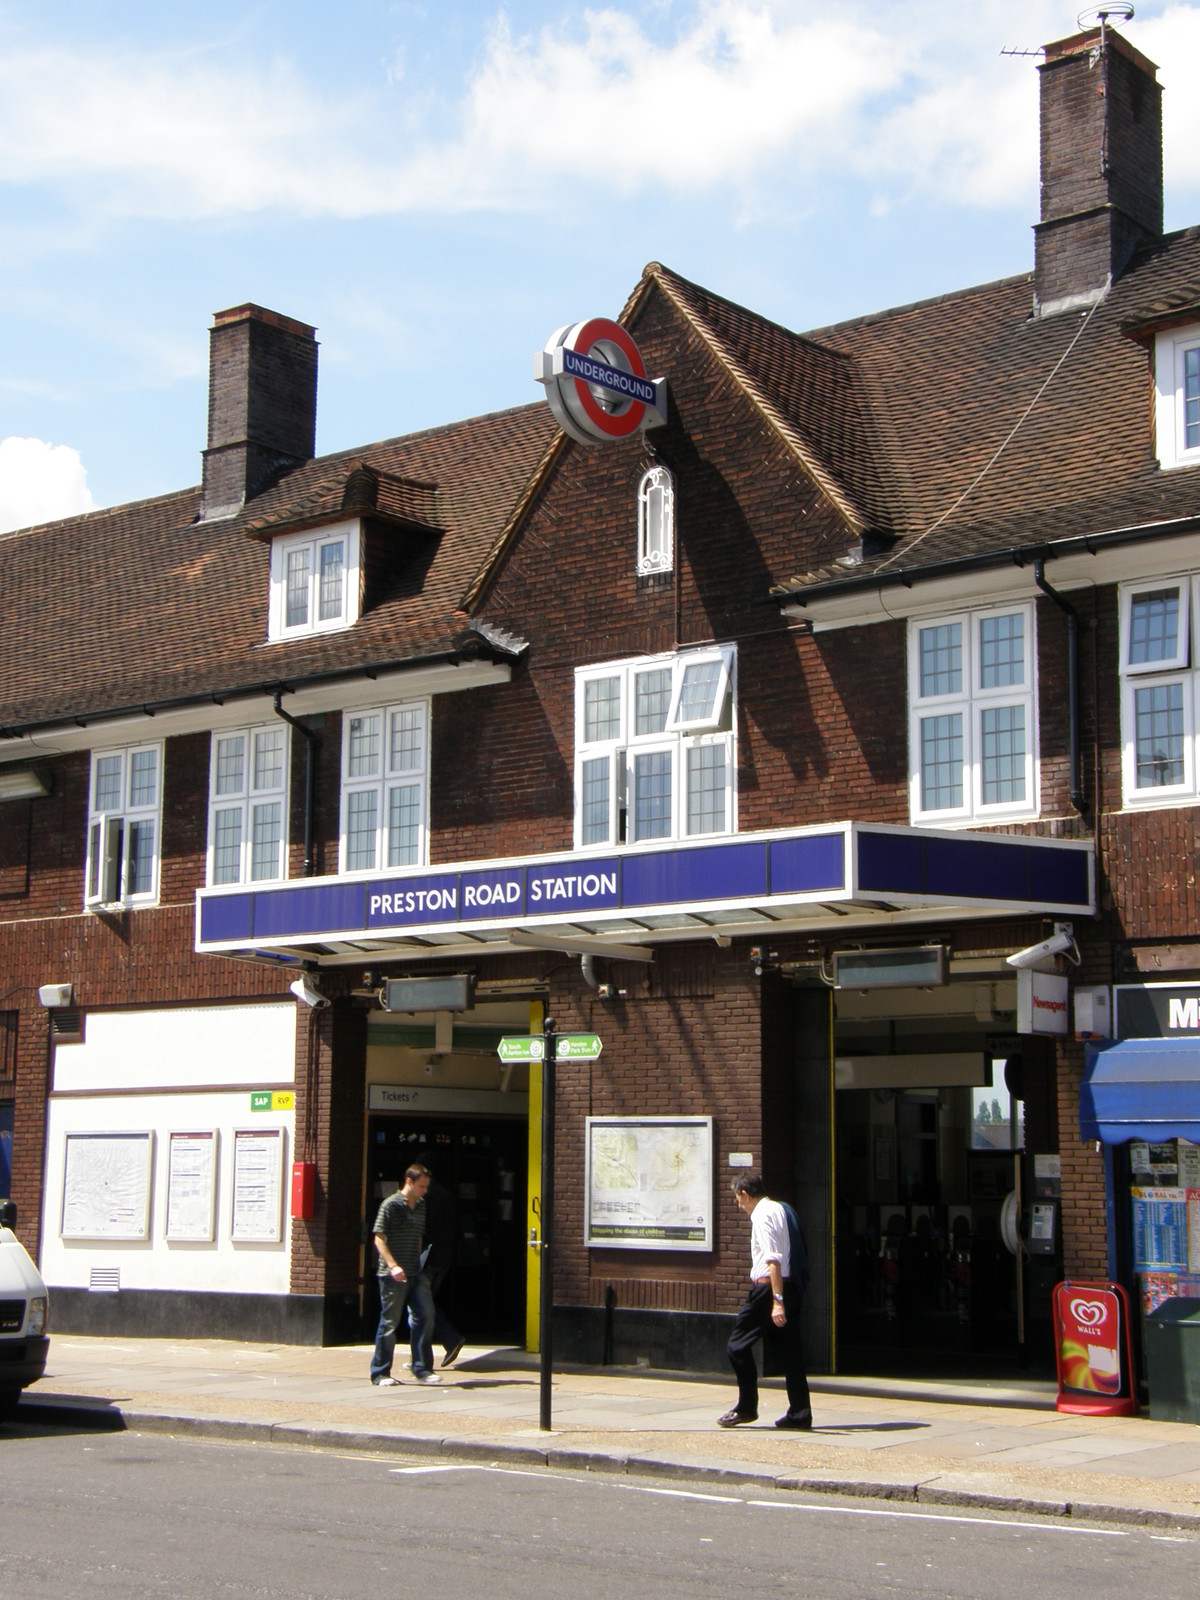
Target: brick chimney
{"x":262,"y":405}
{"x":1101,"y":119}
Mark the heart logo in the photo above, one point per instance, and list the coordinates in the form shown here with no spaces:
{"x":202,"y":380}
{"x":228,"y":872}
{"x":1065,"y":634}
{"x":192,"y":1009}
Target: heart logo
{"x":1088,"y":1313}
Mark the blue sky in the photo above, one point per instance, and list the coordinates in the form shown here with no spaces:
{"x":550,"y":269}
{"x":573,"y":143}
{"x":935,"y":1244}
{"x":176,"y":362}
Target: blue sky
{"x":438,"y":187}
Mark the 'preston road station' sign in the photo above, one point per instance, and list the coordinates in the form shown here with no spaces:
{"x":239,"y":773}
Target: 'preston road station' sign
{"x":596,"y":383}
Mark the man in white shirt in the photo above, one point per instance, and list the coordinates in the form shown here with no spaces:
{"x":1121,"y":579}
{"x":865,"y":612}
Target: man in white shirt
{"x":771,"y":1309}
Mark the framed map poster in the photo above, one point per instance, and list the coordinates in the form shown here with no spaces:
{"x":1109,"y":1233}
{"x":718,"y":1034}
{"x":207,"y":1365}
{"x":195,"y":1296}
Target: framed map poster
{"x":191,"y":1186}
{"x":649,"y":1183}
{"x":106,"y":1186}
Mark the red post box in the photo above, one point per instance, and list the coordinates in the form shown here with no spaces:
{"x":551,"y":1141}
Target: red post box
{"x":304,"y":1188}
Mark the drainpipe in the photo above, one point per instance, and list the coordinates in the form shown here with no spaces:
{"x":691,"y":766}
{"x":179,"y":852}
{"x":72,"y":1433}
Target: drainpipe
{"x":1039,"y":577}
{"x":309,"y":740}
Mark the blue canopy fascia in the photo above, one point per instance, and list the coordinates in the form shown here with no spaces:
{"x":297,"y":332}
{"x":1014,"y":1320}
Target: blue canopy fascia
{"x":1141,"y":1089}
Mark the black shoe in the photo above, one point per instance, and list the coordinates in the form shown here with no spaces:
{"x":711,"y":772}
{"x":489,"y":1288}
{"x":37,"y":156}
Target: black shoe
{"x":798,"y":1424}
{"x":453,"y":1353}
{"x":735,"y":1419}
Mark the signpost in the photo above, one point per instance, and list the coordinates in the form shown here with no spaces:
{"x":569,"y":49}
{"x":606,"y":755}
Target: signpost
{"x":551,"y":1047}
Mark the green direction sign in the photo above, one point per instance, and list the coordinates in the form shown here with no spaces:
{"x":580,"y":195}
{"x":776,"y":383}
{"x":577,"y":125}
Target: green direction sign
{"x":578,"y":1047}
{"x":514,"y":1047}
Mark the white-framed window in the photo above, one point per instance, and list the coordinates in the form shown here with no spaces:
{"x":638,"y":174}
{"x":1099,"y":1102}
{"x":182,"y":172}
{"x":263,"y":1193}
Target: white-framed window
{"x":656,"y":522}
{"x":124,"y":826}
{"x":385,"y":787}
{"x":972,"y":699}
{"x":1177,"y":408}
{"x":247,"y":805}
{"x":1159,"y":689}
{"x":314,"y":581}
{"x":655,"y":748}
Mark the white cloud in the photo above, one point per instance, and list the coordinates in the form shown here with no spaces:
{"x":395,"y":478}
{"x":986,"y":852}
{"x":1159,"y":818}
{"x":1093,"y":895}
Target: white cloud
{"x":40,"y":482}
{"x":906,"y":94}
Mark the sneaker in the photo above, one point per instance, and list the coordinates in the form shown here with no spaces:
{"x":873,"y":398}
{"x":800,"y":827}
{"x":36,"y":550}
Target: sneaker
{"x":426,"y":1377}
{"x":386,"y":1383}
{"x":453,"y":1354}
{"x":735,"y":1419}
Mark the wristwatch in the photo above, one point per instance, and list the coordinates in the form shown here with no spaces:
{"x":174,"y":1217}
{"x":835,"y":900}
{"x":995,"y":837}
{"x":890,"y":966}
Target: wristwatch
{"x":778,"y":1299}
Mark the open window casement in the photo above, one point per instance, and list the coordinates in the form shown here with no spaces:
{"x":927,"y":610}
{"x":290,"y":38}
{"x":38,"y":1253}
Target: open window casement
{"x":700,"y":694}
{"x":104,"y":875}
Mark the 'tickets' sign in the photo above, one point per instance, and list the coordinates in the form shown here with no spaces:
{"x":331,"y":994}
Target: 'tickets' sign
{"x":1091,"y":1329}
{"x":596,"y":383}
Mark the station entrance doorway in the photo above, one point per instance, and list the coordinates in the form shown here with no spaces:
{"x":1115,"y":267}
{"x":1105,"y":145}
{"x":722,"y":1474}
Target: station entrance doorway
{"x":936,"y":1141}
{"x":481,"y":1164}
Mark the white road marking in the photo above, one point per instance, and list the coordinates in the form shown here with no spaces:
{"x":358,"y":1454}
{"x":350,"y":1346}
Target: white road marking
{"x":933,"y":1516}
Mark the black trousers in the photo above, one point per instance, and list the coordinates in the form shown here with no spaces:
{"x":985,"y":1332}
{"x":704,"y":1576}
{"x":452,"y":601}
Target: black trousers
{"x":754,"y":1323}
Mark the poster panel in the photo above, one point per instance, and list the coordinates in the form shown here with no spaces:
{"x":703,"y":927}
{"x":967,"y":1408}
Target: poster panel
{"x":257,"y":1186}
{"x":106,"y":1186}
{"x":191,"y":1186}
{"x":649,"y":1183}
{"x":1160,"y":1230}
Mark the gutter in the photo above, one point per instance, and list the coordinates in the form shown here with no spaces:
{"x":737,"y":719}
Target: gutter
{"x":266,"y":687}
{"x":1022,"y":555}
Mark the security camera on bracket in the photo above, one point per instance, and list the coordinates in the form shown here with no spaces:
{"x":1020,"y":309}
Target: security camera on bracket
{"x":1061,"y":942}
{"x":306,"y":990}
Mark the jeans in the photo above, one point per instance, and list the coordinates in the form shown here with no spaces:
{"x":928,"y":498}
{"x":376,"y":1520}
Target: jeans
{"x":392,"y":1299}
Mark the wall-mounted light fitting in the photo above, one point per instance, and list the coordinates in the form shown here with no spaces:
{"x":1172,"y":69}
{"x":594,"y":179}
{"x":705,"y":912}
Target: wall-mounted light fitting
{"x":26,"y":783}
{"x":54,"y":996}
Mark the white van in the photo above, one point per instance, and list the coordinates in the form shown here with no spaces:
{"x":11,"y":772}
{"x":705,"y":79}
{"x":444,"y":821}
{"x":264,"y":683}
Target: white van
{"x":24,"y":1315}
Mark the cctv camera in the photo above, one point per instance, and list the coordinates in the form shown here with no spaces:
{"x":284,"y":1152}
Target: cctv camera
{"x":1060,"y":941}
{"x":308,"y":992}
{"x":55,"y":995}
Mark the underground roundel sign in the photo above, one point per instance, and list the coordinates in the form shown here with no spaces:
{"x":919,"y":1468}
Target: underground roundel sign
{"x":596,"y":383}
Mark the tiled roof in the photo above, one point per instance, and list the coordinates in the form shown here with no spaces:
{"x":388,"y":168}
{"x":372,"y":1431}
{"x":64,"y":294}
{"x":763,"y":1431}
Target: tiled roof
{"x":1004,"y":430}
{"x":142,"y":604}
{"x":818,"y":398}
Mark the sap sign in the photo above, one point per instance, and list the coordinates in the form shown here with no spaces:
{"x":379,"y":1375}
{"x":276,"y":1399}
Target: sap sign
{"x":596,"y":383}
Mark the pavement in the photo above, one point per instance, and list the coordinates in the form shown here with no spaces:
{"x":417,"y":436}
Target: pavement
{"x":994,"y":1446}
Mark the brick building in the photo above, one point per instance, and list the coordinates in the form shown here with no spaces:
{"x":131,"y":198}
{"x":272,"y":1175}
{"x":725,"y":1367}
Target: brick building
{"x":753,"y":744}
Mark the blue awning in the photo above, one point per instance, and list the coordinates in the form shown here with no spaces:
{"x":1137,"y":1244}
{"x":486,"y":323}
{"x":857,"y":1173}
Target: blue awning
{"x":1141,"y":1089}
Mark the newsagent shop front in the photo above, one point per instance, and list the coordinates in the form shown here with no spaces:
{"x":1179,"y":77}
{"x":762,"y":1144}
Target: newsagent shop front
{"x":1141,"y":1100}
{"x":828,"y":1005}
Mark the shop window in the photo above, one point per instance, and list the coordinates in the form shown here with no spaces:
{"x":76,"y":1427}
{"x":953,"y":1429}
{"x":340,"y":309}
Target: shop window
{"x":124,"y":823}
{"x":385,"y":787}
{"x":655,"y":748}
{"x":247,"y":809}
{"x":972,"y":716}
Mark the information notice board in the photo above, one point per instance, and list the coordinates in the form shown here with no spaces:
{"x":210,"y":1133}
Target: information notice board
{"x":191,"y":1186}
{"x":257,"y":1186}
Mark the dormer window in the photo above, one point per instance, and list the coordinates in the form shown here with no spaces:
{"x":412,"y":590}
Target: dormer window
{"x":1177,"y":411}
{"x":656,"y":522}
{"x":314,"y":581}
